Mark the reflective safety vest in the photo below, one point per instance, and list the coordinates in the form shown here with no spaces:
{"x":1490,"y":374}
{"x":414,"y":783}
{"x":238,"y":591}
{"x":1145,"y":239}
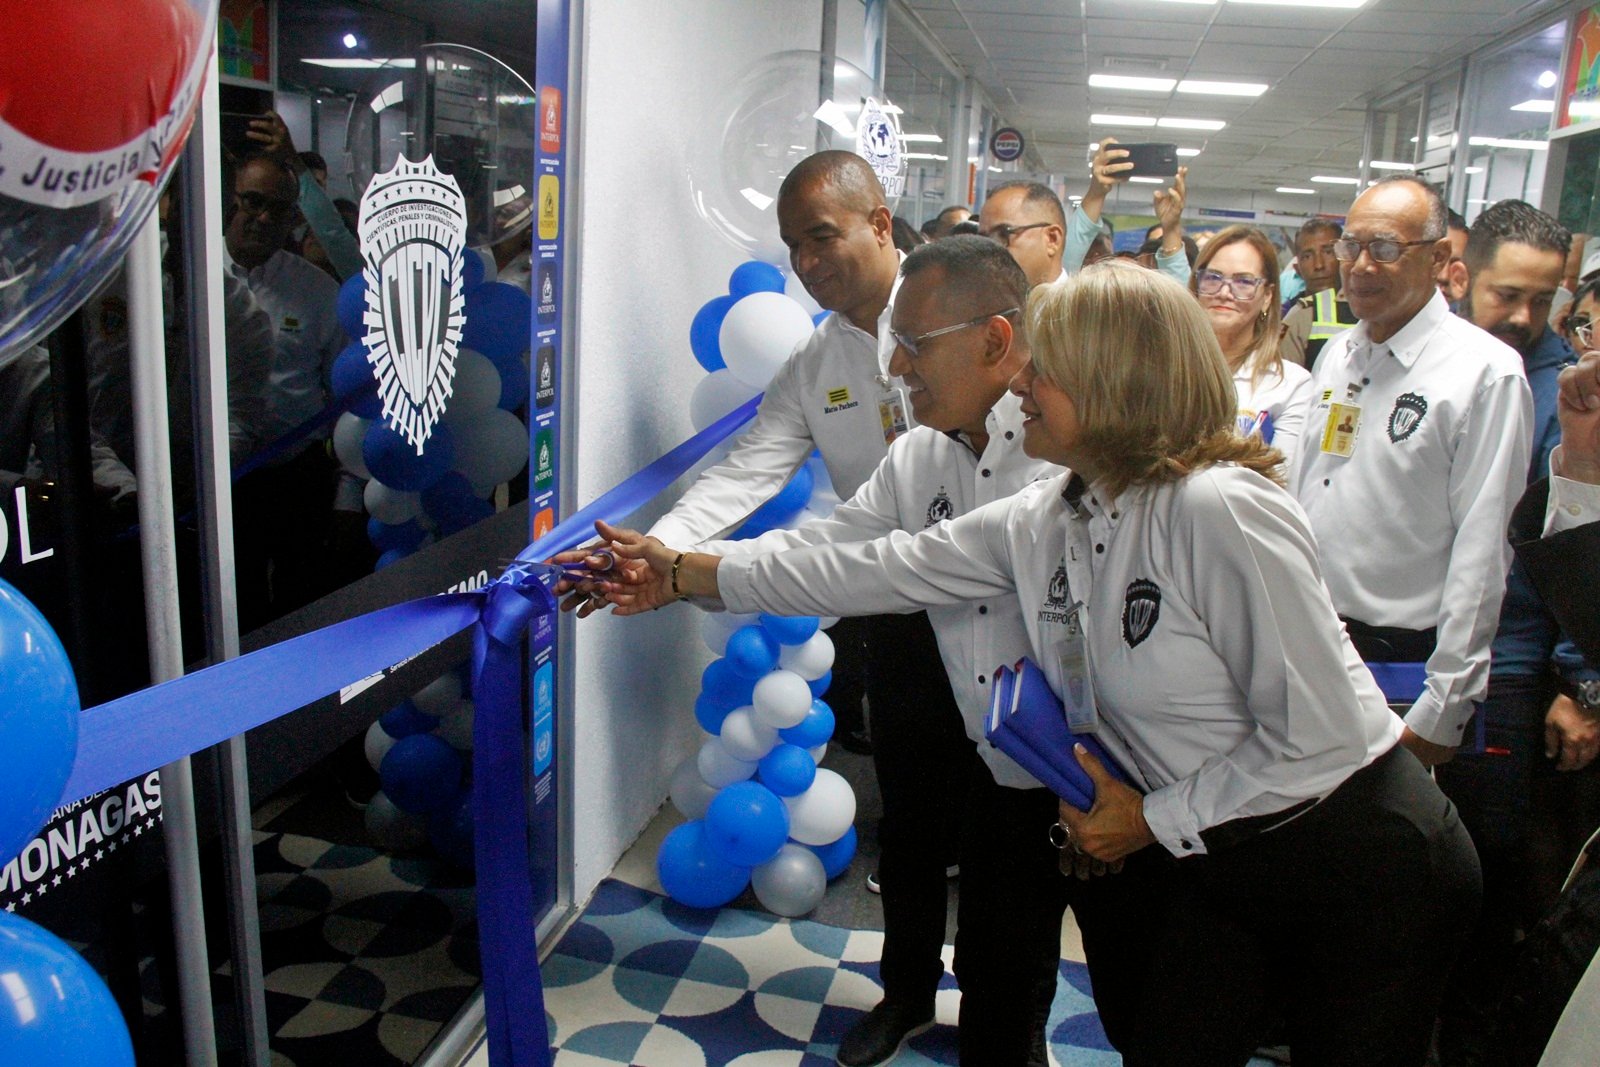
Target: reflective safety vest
{"x":1325,"y":321}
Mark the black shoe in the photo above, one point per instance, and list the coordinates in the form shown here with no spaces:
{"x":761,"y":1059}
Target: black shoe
{"x":882,"y":1032}
{"x":854,"y":741}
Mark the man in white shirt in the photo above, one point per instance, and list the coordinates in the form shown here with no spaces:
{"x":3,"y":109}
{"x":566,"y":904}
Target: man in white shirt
{"x":284,"y":509}
{"x":1412,"y":460}
{"x":1027,"y":219}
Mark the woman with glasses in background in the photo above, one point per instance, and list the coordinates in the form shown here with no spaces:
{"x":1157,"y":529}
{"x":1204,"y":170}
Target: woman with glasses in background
{"x":1236,"y":281}
{"x":1578,"y":329}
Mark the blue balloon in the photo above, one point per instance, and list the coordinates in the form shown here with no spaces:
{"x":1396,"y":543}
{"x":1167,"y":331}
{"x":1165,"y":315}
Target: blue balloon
{"x":351,"y":306}
{"x":393,"y":460}
{"x":421,"y":773}
{"x":790,"y":629}
{"x":795,"y":494}
{"x":404,"y":719}
{"x":746,"y":824}
{"x":819,"y":686}
{"x":450,"y":830}
{"x":721,"y":681}
{"x":754,"y":277}
{"x":706,"y":330}
{"x":353,"y":382}
{"x":813,"y":730}
{"x":693,"y":874}
{"x":406,"y":537}
{"x":499,"y":321}
{"x":38,"y":721}
{"x":710,"y":710}
{"x":816,"y":320}
{"x":836,"y":855}
{"x":389,"y":559}
{"x":788,"y":770}
{"x":751,"y":653}
{"x":514,"y":384}
{"x":57,"y":1010}
{"x":452,"y":505}
{"x":471,"y":270}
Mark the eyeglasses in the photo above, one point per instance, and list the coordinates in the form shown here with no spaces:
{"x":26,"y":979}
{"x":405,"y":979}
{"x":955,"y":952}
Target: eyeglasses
{"x":256,"y":204}
{"x":1003,"y":234}
{"x":1381,"y":249}
{"x":1243,"y":286}
{"x":912,"y":343}
{"x":1583,"y":329}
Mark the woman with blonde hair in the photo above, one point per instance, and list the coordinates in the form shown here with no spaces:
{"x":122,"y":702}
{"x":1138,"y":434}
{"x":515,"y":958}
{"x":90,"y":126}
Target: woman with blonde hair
{"x":1314,"y":868}
{"x":1236,"y":281}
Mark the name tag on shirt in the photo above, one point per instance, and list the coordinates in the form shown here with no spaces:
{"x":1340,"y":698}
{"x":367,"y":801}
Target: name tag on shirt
{"x":1339,"y":433}
{"x":892,"y":406}
{"x":1077,"y":683}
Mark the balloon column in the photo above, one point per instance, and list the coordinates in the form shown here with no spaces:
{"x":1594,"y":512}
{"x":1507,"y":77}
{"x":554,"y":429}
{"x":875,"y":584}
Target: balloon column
{"x":55,"y":1008}
{"x":422,"y":752}
{"x":481,"y":443}
{"x":761,"y":811}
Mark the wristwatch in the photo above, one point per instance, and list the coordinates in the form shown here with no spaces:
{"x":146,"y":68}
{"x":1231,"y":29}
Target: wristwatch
{"x":1586,"y":693}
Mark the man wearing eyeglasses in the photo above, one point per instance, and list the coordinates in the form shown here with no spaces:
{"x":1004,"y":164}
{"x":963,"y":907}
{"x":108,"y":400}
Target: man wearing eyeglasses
{"x":1412,"y":460}
{"x":1027,"y":220}
{"x":1321,"y":311}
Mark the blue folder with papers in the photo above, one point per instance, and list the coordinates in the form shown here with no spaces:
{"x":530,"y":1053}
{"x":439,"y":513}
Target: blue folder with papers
{"x":1028,"y":723}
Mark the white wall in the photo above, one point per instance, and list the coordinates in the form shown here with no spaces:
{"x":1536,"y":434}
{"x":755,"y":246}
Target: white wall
{"x":653,"y":75}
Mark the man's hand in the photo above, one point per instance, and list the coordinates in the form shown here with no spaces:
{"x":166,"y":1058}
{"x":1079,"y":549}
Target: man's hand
{"x":1571,"y":735}
{"x":272,"y":134}
{"x":1429,"y":753}
{"x":1106,"y":169}
{"x":1168,"y":203}
{"x":1578,"y":408}
{"x":1114,"y":828}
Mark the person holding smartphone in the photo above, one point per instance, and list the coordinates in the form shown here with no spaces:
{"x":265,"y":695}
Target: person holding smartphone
{"x":1110,"y":168}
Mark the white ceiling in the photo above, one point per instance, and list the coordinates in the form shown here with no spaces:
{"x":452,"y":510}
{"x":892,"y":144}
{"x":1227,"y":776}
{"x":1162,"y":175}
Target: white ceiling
{"x":1033,"y":58}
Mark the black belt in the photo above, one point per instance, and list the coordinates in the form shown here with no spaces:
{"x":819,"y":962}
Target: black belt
{"x":1390,"y":644}
{"x":1235,"y":832}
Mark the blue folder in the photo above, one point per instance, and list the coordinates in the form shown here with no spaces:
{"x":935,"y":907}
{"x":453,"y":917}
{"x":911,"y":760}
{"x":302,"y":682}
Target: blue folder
{"x":1028,"y":723}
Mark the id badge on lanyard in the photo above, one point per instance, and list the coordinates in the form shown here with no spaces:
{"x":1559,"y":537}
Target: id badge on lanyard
{"x":1344,"y":423}
{"x":1077,"y":679}
{"x":892,"y":408}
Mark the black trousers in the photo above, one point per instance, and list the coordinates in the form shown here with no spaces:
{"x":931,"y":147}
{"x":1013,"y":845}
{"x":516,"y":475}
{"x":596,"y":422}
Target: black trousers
{"x":1346,"y":920}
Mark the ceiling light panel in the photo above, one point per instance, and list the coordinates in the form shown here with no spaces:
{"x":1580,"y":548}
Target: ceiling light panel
{"x":1102,"y":119}
{"x":1191,"y":124}
{"x":1128,"y":81}
{"x":1208,"y":88}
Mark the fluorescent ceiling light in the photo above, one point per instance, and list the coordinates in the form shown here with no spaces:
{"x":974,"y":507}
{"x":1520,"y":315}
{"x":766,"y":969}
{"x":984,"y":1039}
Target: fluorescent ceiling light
{"x":1331,"y":179}
{"x":994,"y":170}
{"x":1124,"y":81}
{"x":1188,"y":152}
{"x":1474,"y":170}
{"x":1385,"y":164}
{"x":1207,"y":3}
{"x":892,"y":109}
{"x":1147,"y":181}
{"x":1507,"y":142}
{"x":1121,"y":120}
{"x":923,"y":155}
{"x":1345,"y":4}
{"x":922,"y":138}
{"x":349,"y":40}
{"x":1191,"y":124}
{"x":1075,"y":197}
{"x":1547,"y":80}
{"x":1297,"y":191}
{"x":1545,"y":106}
{"x":342,"y":63}
{"x":1205,"y":88}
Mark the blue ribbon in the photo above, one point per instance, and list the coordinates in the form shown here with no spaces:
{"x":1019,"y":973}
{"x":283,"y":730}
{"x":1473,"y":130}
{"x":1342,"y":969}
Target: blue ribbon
{"x":128,"y":737}
{"x":1402,"y":683}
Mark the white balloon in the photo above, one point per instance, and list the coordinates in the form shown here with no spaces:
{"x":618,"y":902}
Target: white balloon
{"x":758,"y":333}
{"x":475,"y":389}
{"x":790,"y":883}
{"x":746,"y":737}
{"x":818,"y":752}
{"x":390,"y":505}
{"x":717,"y":626}
{"x":689,"y":792}
{"x":439,"y":696}
{"x":377,"y":744}
{"x":456,"y":727}
{"x":795,"y":290}
{"x":717,"y":394}
{"x":811,"y":660}
{"x":491,"y":449}
{"x":393,"y":829}
{"x":782,"y":699}
{"x":822,"y":814}
{"x":718,"y":768}
{"x":348,"y":433}
{"x":828,"y":622}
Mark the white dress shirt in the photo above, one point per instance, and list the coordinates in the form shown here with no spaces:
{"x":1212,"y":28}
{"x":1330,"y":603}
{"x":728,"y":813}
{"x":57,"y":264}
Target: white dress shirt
{"x":1571,"y":503}
{"x":929,"y":476}
{"x":824,"y":396}
{"x":1199,"y":595}
{"x":1283,"y":394}
{"x":300,"y":297}
{"x":1412,"y":525}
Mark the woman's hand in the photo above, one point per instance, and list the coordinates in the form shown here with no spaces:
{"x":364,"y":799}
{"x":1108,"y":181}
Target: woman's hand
{"x":1114,"y":828}
{"x":646,"y":569}
{"x":1168,"y":204}
{"x":587,"y":597}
